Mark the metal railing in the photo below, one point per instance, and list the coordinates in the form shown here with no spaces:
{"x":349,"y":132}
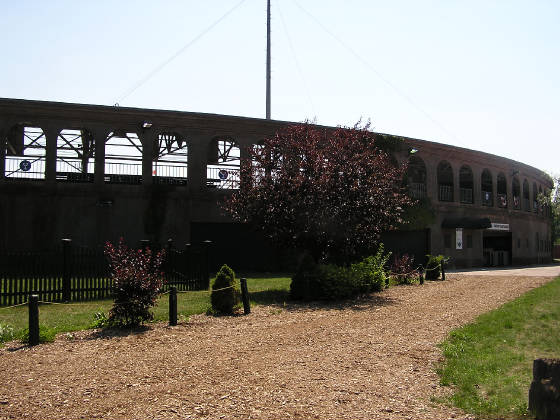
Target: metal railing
{"x":445,"y":192}
{"x":222,"y":177}
{"x":487,"y":198}
{"x":25,"y":167}
{"x":417,"y":190}
{"x":466,"y":195}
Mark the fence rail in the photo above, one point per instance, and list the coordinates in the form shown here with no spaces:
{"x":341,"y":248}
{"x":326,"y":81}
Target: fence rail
{"x":74,"y":274}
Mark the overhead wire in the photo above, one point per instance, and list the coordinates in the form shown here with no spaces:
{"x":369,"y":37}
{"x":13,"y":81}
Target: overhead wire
{"x":160,"y":66}
{"x":377,"y":73}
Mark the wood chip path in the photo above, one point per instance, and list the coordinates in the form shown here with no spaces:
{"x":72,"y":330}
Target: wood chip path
{"x":372,"y":359}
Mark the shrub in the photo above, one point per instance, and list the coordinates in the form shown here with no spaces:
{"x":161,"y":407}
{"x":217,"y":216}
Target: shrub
{"x":6,"y":332}
{"x":46,"y":335}
{"x":433,"y":267}
{"x":224,"y":297}
{"x":137,"y":281}
{"x":331,"y":282}
{"x":403,"y":271}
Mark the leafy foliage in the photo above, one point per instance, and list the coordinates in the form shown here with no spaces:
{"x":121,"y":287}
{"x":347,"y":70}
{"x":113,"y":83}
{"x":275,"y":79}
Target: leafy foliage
{"x":403,"y":270}
{"x":224,"y":297}
{"x":328,"y":192}
{"x":46,"y":335}
{"x":137,"y":280}
{"x":6,"y":332}
{"x":433,"y":267}
{"x":332,"y":282}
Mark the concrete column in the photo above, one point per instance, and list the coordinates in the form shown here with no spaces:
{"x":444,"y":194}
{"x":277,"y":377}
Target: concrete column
{"x":198,"y":158}
{"x":456,"y":183}
{"x":100,"y":136}
{"x":51,"y":135}
{"x":147,"y":138}
{"x":477,"y":190}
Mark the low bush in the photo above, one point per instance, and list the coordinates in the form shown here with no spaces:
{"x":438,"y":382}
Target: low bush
{"x":224,"y":297}
{"x":331,"y":282}
{"x":137,"y":281}
{"x":403,"y":270}
{"x":433,"y":267}
{"x":46,"y":335}
{"x":6,"y":332}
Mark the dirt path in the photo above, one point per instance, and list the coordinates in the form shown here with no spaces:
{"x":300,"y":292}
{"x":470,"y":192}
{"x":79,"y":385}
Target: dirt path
{"x":371,"y":360}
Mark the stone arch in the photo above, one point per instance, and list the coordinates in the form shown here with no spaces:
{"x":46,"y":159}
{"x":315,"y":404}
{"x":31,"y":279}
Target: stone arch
{"x":170,"y":158}
{"x":445,"y":181}
{"x":416,"y":177}
{"x":123,"y":157}
{"x":75,"y":155}
{"x":466,"y":184}
{"x":224,"y":158}
{"x":487,"y":189}
{"x":501,"y":188}
{"x":25,"y":153}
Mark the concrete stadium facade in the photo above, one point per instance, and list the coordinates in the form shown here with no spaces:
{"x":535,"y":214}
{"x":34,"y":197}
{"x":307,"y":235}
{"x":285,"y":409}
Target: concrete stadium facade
{"x":96,"y":173}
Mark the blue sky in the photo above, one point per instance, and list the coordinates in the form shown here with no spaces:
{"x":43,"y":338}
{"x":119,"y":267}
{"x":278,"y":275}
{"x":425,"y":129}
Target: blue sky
{"x":477,"y":74}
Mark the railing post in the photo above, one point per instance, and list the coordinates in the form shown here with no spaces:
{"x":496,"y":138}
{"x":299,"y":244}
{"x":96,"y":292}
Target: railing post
{"x":245,"y":297}
{"x":442,"y":270}
{"x":66,"y":269}
{"x":172,"y":305}
{"x":33,"y":320}
{"x":206,"y":262}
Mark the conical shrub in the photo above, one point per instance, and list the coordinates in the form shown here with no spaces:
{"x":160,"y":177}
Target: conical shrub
{"x":224,"y":297}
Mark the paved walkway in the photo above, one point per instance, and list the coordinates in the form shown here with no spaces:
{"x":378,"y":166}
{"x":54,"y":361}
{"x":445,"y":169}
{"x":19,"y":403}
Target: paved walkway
{"x":549,"y":270}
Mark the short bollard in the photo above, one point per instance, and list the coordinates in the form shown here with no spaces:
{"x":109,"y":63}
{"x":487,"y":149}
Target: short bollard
{"x":33,"y":320}
{"x":442,"y":271}
{"x":173,"y":306}
{"x":245,"y":297}
{"x":421,"y":276}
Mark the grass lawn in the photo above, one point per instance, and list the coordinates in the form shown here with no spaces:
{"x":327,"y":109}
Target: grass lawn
{"x":490,"y":361}
{"x":60,"y":318}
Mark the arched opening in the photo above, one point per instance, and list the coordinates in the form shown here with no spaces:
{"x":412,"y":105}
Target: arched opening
{"x":502,"y":190}
{"x":535,"y":198}
{"x":466,"y":184}
{"x":445,"y":181}
{"x":526,"y":196}
{"x":169,"y":164}
{"x":123,"y":158}
{"x":75,"y":156}
{"x":486,"y":188}
{"x":26,"y":151}
{"x":516,"y":191}
{"x":416,"y":174}
{"x":223,"y":164}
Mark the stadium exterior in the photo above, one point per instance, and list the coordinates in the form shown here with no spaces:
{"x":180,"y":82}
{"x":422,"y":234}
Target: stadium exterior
{"x":95,"y":173}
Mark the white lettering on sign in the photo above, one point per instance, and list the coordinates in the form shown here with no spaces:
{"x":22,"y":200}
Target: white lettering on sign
{"x":459,"y":238}
{"x":500,"y":226}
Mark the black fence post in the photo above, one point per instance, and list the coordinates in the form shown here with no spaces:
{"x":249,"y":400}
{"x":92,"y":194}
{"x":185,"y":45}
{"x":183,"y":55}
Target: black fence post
{"x":245,"y":297}
{"x":206,"y":263}
{"x":442,"y":271}
{"x":172,"y":305}
{"x":33,"y":320}
{"x":66,"y":269}
{"x":421,"y":275}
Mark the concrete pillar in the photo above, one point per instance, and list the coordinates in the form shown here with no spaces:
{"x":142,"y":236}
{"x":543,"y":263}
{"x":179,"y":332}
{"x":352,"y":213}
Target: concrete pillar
{"x":198,"y":157}
{"x":51,"y":135}
{"x":477,"y":189}
{"x":100,"y":136}
{"x":456,"y":184}
{"x":147,"y":138}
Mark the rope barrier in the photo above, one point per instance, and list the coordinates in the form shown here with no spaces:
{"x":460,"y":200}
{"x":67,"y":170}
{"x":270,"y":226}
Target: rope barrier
{"x":13,"y":306}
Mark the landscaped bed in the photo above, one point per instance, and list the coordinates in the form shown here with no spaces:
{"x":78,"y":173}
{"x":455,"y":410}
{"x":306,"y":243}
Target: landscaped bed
{"x":372,"y":358}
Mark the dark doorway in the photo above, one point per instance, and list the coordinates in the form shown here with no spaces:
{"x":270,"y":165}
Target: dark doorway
{"x":412,"y":242}
{"x":496,"y":248}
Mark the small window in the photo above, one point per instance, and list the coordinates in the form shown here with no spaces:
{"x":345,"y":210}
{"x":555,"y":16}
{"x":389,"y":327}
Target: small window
{"x":447,"y":240}
{"x":469,"y":241}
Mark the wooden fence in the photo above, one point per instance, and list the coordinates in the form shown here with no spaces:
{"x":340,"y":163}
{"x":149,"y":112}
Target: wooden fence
{"x":70,"y":273}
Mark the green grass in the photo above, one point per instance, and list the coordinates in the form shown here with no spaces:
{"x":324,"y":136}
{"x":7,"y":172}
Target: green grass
{"x":490,"y":361}
{"x":60,"y":318}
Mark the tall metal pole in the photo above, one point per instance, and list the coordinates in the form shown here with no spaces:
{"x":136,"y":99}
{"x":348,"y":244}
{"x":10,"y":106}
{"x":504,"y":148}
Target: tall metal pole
{"x":268,"y":60}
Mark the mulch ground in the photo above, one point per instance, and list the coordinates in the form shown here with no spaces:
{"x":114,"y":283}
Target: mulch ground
{"x":370,"y":359}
